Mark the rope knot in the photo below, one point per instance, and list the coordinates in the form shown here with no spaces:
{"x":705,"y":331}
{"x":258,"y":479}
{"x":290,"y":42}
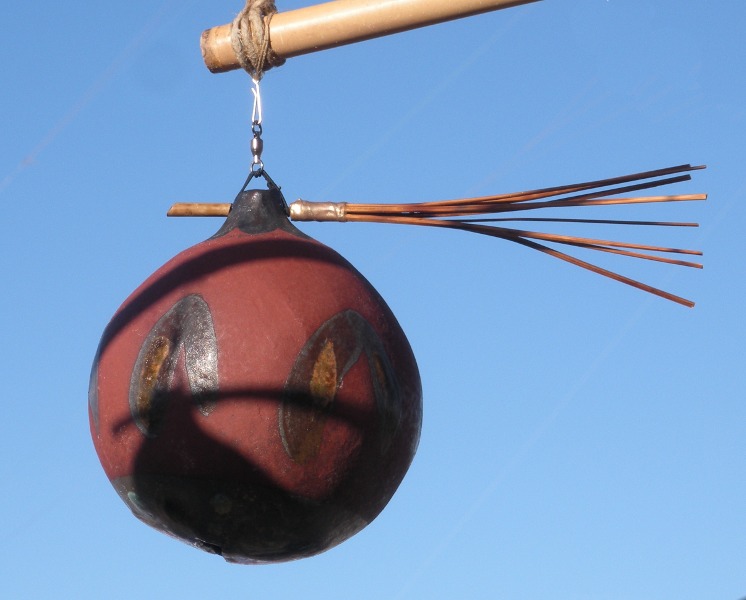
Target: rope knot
{"x":250,"y":38}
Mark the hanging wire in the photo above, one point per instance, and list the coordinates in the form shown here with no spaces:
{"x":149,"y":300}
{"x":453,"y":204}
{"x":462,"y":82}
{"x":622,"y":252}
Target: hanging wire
{"x":257,"y":144}
{"x":256,"y":112}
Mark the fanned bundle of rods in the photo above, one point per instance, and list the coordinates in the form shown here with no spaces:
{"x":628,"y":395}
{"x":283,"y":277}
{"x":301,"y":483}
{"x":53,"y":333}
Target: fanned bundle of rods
{"x":464,"y":215}
{"x":602,"y":192}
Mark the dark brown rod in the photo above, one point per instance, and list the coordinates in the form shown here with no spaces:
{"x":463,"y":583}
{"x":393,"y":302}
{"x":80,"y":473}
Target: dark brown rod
{"x":594,"y":221}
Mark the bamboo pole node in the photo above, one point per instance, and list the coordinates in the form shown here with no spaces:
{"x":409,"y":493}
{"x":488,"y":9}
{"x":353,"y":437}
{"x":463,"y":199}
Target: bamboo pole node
{"x":250,"y":38}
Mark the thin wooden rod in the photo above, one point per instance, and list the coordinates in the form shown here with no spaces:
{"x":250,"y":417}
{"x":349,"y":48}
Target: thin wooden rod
{"x":595,"y":221}
{"x":341,"y":22}
{"x":199,"y":209}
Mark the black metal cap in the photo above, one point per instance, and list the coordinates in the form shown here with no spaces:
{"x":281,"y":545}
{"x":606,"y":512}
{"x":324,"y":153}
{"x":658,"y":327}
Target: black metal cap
{"x":259,"y":211}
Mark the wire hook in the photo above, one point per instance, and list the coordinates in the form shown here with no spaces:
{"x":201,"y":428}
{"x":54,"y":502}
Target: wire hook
{"x":256,"y":113}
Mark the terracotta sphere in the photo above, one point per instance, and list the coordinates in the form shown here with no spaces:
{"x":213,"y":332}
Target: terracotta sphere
{"x":255,"y":397}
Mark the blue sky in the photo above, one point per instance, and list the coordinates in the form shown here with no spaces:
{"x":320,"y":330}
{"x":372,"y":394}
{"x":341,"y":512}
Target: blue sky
{"x":581,"y":439}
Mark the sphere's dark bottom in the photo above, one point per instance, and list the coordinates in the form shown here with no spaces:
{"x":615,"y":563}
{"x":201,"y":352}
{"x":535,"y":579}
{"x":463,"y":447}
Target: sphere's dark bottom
{"x":243,"y":524}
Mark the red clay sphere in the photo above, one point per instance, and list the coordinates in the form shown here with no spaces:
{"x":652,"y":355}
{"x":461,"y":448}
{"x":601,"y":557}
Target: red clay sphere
{"x":255,"y":397}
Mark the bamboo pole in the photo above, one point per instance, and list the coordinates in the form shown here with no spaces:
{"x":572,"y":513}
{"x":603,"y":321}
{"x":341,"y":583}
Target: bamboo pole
{"x":341,"y":22}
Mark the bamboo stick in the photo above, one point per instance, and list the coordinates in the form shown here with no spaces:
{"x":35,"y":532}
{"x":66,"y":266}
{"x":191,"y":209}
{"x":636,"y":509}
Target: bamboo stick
{"x":199,"y":209}
{"x":341,"y":22}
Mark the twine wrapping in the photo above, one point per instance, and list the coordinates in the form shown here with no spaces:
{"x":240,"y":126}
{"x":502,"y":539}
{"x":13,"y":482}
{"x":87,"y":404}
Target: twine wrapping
{"x":250,"y":38}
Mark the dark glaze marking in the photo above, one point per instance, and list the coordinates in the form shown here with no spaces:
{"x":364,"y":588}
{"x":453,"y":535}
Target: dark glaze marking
{"x":318,"y":372}
{"x":188,"y":325}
